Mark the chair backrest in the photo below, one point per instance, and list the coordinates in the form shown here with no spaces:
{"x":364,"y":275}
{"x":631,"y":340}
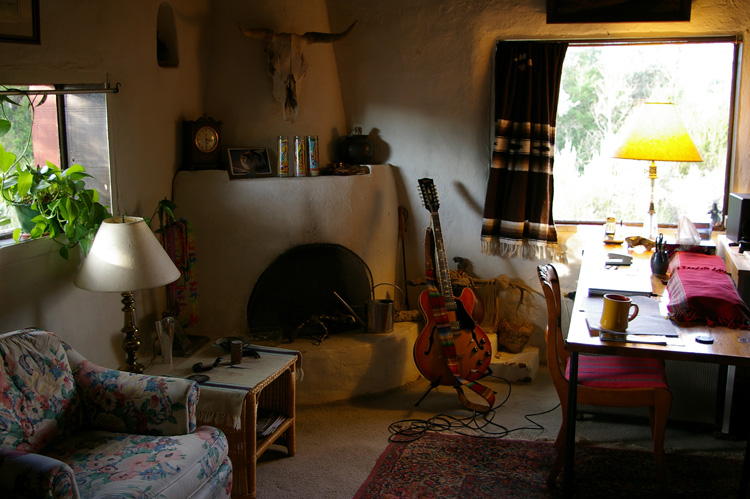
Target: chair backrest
{"x":38,"y":400}
{"x":557,"y":355}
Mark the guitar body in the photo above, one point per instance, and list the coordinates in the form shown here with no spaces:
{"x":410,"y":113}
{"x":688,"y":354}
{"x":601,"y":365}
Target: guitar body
{"x":473,"y":349}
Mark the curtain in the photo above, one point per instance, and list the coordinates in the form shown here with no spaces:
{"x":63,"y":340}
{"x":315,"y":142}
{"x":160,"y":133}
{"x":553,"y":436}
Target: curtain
{"x":517,"y":218}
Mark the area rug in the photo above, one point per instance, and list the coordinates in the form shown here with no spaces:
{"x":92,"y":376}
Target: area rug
{"x":443,"y":466}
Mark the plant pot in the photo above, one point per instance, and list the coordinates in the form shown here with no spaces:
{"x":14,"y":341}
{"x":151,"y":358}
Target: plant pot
{"x":25,"y":214}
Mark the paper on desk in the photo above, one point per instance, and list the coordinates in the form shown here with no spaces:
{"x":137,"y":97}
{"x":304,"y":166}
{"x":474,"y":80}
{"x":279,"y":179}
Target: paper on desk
{"x":624,"y":337}
{"x":649,"y":320}
{"x":633,"y":338}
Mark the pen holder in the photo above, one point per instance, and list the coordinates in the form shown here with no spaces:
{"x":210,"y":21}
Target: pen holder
{"x":660,"y":262}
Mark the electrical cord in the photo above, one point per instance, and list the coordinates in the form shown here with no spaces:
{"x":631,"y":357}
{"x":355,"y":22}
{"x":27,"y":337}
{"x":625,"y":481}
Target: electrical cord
{"x":477,"y":425}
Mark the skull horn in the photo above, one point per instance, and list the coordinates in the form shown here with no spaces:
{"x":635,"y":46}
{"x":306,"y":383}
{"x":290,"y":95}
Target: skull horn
{"x":257,"y":33}
{"x":317,"y":37}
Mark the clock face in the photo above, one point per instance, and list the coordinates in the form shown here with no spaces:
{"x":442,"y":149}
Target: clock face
{"x":206,"y":139}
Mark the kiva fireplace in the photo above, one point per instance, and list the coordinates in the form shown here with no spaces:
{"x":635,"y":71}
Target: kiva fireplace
{"x":271,"y":252}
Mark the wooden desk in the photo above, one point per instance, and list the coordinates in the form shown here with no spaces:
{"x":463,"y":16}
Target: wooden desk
{"x":230,"y":402}
{"x":727,"y":348}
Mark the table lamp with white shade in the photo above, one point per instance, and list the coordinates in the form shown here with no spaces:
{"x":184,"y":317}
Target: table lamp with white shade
{"x":655,"y":132}
{"x":126,"y":257}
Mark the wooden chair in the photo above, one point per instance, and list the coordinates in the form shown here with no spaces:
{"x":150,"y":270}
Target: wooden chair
{"x":612,"y":381}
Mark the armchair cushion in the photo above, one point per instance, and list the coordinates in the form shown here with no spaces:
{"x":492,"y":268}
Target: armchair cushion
{"x":108,"y":464}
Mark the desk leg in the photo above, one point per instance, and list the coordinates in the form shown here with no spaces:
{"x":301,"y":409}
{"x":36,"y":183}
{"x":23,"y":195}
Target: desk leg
{"x":744,"y":478}
{"x":252,"y":447}
{"x":570,"y":427}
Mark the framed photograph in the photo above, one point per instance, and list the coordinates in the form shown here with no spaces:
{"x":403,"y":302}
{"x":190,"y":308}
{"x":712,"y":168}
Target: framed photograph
{"x":616,"y":11}
{"x":249,"y":162}
{"x":19,"y":21}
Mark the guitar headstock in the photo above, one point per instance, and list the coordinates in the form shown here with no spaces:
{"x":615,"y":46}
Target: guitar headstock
{"x":429,"y":195}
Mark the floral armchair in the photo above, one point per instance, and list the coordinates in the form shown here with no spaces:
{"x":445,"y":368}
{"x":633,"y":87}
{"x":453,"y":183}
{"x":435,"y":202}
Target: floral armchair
{"x":69,"y":429}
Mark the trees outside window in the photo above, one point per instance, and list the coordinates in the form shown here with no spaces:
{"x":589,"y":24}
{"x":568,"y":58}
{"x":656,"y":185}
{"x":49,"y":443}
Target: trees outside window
{"x":601,"y":86}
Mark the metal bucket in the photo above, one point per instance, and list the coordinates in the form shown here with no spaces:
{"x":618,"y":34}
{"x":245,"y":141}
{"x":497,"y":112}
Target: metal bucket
{"x":380,"y":312}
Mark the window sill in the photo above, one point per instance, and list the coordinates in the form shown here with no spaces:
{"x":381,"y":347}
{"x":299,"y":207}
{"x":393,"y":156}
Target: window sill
{"x":11,"y":252}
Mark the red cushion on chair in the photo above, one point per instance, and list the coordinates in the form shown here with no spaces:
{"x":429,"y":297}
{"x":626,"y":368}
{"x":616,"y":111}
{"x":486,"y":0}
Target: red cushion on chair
{"x":612,"y":371}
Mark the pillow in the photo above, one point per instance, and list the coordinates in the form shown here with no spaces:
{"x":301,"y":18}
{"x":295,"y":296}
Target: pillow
{"x":696,"y":261}
{"x":697,"y":295}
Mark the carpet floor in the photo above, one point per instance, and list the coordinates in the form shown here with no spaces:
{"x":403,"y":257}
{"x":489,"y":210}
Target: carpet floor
{"x":450,"y":466}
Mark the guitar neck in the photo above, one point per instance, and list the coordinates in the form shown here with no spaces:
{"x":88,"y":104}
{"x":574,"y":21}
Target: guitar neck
{"x":441,"y":264}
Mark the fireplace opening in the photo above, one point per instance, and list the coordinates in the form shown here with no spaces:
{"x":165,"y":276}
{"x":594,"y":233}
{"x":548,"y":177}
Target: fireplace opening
{"x":297,"y":292}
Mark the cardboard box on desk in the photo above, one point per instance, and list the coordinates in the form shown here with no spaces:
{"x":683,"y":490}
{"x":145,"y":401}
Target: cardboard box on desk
{"x":705,"y":247}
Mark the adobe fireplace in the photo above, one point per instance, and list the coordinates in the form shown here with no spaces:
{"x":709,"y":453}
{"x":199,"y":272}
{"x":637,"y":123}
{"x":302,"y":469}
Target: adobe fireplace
{"x":241,"y":227}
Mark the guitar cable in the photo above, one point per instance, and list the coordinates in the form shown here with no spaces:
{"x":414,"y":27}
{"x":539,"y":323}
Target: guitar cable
{"x":478,"y":425}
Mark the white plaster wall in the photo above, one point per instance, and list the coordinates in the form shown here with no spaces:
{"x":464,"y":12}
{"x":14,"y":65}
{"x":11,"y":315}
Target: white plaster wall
{"x":238,"y":90}
{"x":89,"y":42}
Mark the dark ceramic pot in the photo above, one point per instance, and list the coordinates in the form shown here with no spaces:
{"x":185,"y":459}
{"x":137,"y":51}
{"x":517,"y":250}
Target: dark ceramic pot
{"x":659,"y":262}
{"x":356,"y":149}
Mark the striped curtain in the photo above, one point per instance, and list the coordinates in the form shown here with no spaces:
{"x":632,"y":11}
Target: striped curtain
{"x":517,"y":218}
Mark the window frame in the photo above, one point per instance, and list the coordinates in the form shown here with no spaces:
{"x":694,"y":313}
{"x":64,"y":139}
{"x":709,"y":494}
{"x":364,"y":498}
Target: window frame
{"x":63,"y":132}
{"x":730,"y":167}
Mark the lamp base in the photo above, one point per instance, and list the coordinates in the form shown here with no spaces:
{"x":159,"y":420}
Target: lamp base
{"x":131,"y":344}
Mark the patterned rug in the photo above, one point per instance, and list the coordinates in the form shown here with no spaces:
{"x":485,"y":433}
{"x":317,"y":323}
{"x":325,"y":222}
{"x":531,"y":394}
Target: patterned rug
{"x":459,"y":467}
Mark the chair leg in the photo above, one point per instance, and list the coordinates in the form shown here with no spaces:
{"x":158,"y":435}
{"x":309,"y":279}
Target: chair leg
{"x":559,"y":456}
{"x":659,"y":414}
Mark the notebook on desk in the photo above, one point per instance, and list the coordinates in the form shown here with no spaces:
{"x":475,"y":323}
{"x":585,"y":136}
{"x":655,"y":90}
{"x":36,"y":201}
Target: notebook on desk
{"x":622,"y":284}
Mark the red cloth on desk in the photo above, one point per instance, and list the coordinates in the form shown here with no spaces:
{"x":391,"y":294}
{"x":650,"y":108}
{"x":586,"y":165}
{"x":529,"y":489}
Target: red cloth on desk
{"x":696,"y":261}
{"x":705,"y":294}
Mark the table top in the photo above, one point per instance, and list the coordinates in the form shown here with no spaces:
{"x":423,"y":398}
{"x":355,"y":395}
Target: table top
{"x":731,"y":346}
{"x":250,"y":375}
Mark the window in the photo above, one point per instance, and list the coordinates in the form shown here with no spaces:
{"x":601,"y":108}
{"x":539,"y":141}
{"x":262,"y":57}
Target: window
{"x":601,"y":85}
{"x":67,"y":126}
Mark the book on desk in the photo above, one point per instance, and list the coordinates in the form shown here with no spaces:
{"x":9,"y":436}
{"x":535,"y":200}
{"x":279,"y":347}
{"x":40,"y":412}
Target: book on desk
{"x":622,"y":284}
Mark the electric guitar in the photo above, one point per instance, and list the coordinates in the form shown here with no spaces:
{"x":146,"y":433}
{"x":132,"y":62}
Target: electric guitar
{"x":473,"y":348}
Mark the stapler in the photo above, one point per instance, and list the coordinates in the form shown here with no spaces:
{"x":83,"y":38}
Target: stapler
{"x":618,"y":259}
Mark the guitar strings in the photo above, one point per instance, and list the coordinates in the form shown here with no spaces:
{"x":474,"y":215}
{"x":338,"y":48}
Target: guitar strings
{"x":478,"y":425}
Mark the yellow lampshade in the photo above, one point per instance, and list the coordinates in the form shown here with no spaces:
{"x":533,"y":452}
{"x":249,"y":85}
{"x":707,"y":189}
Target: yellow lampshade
{"x":655,"y":132}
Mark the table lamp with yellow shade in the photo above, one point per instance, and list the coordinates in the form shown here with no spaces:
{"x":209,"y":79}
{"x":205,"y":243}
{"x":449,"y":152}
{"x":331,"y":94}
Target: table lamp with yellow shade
{"x":126,"y":257}
{"x":655,"y":132}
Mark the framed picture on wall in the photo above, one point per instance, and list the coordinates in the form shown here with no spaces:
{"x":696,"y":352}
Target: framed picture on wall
{"x":19,"y":21}
{"x":622,"y":11}
{"x":249,"y":162}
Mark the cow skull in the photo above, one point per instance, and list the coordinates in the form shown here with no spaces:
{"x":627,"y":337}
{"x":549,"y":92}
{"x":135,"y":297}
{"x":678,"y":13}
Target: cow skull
{"x":286,"y":62}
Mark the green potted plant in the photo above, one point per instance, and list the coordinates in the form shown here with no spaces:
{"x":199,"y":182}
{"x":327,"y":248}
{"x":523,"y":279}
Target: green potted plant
{"x":48,"y":200}
{"x":59,"y":202}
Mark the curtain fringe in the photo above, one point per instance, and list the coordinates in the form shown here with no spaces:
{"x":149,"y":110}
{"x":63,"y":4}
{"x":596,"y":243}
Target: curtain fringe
{"x":530,"y":250}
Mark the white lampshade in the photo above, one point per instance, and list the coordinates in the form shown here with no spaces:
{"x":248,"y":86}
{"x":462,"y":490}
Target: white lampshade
{"x":655,"y":132}
{"x":125,"y":256}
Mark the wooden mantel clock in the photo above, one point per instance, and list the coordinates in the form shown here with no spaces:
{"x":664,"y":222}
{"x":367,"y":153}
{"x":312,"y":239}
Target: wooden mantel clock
{"x":201,"y":144}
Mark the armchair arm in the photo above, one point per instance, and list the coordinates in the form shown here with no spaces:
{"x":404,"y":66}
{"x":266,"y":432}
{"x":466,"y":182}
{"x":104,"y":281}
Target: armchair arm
{"x":136,"y":403}
{"x":29,"y":475}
